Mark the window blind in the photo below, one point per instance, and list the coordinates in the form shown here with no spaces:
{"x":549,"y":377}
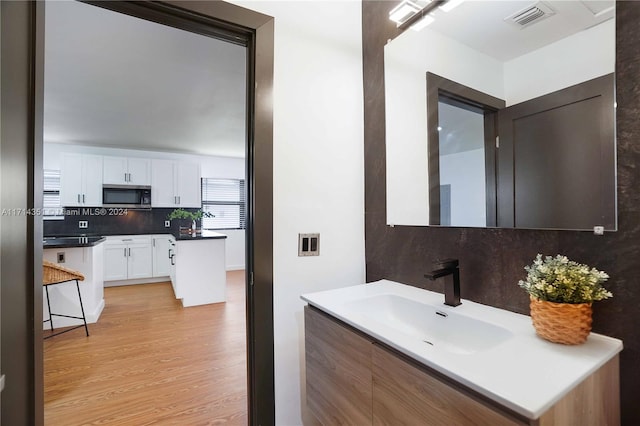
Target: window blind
{"x":51,"y":195}
{"x":225,"y":199}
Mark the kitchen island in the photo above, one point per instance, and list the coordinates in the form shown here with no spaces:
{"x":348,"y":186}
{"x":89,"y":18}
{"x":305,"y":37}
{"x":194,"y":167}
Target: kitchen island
{"x":198,"y":272}
{"x":85,"y":255}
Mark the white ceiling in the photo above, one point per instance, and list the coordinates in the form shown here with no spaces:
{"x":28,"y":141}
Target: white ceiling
{"x":480,"y":24}
{"x":115,"y":80}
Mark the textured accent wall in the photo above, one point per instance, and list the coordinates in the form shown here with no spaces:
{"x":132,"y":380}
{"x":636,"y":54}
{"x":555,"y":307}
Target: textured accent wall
{"x":492,"y":260}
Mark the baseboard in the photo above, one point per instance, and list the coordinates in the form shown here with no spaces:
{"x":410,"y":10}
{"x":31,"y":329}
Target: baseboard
{"x":136,"y":281}
{"x":235,"y":267}
{"x":59,"y":322}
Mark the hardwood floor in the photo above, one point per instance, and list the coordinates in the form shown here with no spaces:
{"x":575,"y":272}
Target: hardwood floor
{"x":148,"y":361}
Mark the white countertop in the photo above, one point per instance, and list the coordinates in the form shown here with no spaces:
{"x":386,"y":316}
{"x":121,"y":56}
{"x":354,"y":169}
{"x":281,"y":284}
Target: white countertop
{"x":524,"y":373}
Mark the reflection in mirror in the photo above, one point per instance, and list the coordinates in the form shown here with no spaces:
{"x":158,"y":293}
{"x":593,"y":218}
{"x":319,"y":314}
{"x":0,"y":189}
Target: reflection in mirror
{"x":543,"y":96}
{"x":463,"y":189}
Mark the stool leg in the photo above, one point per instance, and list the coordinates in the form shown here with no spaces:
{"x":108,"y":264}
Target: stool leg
{"x":46,"y":288}
{"x":84,"y":318}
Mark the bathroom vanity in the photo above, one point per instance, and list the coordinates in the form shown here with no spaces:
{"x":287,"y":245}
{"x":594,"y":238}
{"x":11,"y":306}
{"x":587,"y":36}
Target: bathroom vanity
{"x":387,"y":353}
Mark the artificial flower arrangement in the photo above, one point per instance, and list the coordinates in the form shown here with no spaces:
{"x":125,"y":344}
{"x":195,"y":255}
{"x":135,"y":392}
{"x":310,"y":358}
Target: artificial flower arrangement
{"x":561,"y":293}
{"x":560,"y":280}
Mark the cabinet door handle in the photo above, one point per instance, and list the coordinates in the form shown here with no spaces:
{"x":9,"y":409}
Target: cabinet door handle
{"x":172,"y":259}
{"x":125,"y":252}
{"x":129,"y":174}
{"x":78,"y":197}
{"x":129,"y":253}
{"x":170,"y":254}
{"x":178,"y":199}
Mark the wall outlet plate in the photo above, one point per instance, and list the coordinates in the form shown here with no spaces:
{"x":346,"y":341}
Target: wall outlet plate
{"x":60,"y":257}
{"x":167,"y":223}
{"x":309,"y":244}
{"x":83,"y":224}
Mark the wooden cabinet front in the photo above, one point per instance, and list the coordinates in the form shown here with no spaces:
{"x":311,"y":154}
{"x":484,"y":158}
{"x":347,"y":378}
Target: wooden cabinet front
{"x":406,"y":395}
{"x":353,"y":380}
{"x":338,"y":363}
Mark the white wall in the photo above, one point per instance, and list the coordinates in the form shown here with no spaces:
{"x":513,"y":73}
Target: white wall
{"x":318,"y":170}
{"x":572,"y":60}
{"x":407,"y":60}
{"x":210,"y":167}
{"x":234,"y":249}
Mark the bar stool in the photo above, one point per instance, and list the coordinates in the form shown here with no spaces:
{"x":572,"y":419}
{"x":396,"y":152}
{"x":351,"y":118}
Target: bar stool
{"x":53,"y":274}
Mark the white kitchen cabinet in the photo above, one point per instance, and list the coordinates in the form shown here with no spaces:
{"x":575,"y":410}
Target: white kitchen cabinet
{"x":126,"y":171}
{"x":161,"y":256}
{"x":128,"y":257}
{"x":81,"y":180}
{"x":140,"y":261}
{"x":199,"y":276}
{"x":188,"y":184}
{"x":172,"y":267}
{"x":175,"y":184}
{"x":115,"y":262}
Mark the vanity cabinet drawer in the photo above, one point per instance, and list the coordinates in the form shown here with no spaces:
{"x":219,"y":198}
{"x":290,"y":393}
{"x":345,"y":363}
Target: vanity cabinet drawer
{"x":407,"y":395}
{"x":338,"y":365}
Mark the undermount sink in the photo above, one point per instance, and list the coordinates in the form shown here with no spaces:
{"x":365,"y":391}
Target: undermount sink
{"x":434,"y":326}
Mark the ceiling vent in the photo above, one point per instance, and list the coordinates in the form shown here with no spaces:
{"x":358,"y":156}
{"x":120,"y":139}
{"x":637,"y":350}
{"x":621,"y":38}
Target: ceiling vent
{"x":530,"y":15}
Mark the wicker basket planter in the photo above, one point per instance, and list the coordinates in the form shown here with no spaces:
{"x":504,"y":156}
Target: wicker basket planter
{"x":565,"y":323}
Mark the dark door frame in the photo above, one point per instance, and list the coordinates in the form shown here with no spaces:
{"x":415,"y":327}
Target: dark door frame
{"x":465,"y":97}
{"x":21,"y":171}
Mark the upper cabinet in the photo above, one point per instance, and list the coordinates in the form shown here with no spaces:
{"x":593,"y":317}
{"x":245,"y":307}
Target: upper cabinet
{"x":127,"y":171}
{"x":81,"y":180}
{"x":175,"y":184}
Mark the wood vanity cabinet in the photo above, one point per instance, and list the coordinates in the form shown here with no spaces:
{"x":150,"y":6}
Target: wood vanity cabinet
{"x":406,"y":395}
{"x":353,"y":380}
{"x":338,"y":363}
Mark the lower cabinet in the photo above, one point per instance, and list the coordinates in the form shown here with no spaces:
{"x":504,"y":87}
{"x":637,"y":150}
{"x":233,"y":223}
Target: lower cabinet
{"x":338,"y":363}
{"x":406,"y":395}
{"x":161,"y":256}
{"x":127,"y":258}
{"x":353,"y":380}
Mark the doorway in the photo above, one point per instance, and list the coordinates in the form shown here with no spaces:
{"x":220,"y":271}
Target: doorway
{"x":462,"y":134}
{"x":22,"y":36}
{"x":463,"y":191}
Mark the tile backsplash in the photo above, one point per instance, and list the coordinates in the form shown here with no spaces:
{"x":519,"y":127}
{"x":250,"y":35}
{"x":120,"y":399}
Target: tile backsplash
{"x":111,"y":222}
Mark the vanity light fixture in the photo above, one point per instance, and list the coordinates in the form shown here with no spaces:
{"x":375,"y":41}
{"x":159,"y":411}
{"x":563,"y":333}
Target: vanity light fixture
{"x":412,"y":13}
{"x":450,"y":5}
{"x":402,"y":12}
{"x":426,"y":20}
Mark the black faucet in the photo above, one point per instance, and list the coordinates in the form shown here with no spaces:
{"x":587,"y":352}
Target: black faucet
{"x":448,"y":268}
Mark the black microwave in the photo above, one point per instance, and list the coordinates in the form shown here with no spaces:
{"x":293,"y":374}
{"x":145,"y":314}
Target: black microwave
{"x":126,"y":196}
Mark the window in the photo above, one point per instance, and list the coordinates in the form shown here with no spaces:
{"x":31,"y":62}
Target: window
{"x":225,"y":199}
{"x":51,"y":192}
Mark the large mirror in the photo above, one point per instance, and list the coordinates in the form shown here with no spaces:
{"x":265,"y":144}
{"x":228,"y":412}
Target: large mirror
{"x":502,"y":114}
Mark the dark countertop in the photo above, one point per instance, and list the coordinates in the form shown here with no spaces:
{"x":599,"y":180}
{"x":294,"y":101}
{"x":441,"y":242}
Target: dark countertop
{"x":204,"y":235}
{"x":68,"y":242}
